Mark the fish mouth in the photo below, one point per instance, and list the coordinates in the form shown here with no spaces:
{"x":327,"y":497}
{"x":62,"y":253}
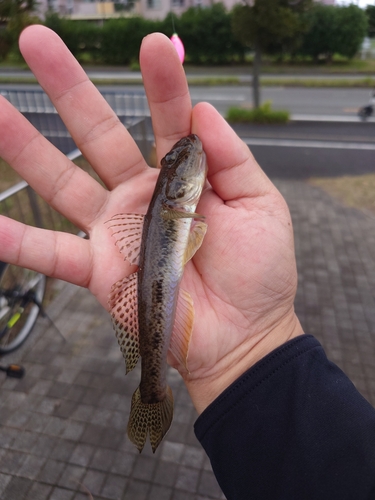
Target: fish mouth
{"x":193,"y":139}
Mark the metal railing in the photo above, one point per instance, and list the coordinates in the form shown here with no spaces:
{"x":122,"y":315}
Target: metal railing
{"x":131,"y":108}
{"x":20,"y":202}
{"x":129,"y":103}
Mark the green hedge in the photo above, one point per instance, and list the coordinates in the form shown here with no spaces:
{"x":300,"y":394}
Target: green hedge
{"x":206,"y":33}
{"x":263,"y":114}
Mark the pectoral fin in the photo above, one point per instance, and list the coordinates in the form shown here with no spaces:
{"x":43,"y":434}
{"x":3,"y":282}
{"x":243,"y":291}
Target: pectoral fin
{"x":123,"y":303}
{"x":170,"y":214}
{"x":127,"y":231}
{"x":195,"y":240}
{"x":183,"y":328}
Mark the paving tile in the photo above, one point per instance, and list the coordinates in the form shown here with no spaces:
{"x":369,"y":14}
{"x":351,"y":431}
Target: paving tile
{"x":183,"y":495}
{"x":172,"y":452}
{"x":4,"y":481}
{"x":12,"y":461}
{"x":187,"y":479}
{"x":112,"y":438}
{"x":25,"y":441}
{"x":144,"y":468}
{"x":137,"y":490}
{"x":65,"y":408}
{"x":39,"y":491}
{"x":18,"y":419}
{"x":61,"y":494}
{"x":37,"y":422}
{"x":63,"y":450}
{"x":7,"y":436}
{"x":93,"y":481}
{"x":208,"y":485}
{"x":166,"y":473}
{"x":82,"y":454}
{"x":113,"y":487}
{"x":92,"y":434}
{"x":83,"y":412}
{"x":160,"y":493}
{"x":103,"y":459}
{"x":71,"y":477}
{"x":73,"y":430}
{"x":55,"y":426}
{"x":17,"y":488}
{"x":76,"y":393}
{"x":51,"y":472}
{"x":31,"y":467}
{"x":123,"y":463}
{"x":193,"y":457}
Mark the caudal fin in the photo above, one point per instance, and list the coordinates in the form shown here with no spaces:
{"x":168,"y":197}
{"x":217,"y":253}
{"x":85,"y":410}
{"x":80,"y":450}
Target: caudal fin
{"x":152,"y":419}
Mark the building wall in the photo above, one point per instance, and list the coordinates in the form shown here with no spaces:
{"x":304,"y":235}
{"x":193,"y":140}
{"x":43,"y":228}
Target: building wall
{"x":150,"y":9}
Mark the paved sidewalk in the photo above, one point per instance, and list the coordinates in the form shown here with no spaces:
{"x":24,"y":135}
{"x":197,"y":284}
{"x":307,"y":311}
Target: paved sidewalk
{"x":62,"y":428}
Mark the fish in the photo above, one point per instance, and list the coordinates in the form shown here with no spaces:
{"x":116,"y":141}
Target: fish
{"x":150,"y":313}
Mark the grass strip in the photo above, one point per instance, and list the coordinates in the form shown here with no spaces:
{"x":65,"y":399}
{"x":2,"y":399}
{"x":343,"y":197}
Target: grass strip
{"x":367,"y":82}
{"x":356,"y":191}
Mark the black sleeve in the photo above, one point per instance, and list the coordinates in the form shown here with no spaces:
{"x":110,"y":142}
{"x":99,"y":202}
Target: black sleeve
{"x":292,"y":427}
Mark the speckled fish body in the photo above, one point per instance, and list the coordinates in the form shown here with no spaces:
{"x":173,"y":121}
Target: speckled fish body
{"x":169,"y":238}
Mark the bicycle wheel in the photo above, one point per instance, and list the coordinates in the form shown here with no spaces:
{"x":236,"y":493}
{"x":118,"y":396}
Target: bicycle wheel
{"x":21,"y":294}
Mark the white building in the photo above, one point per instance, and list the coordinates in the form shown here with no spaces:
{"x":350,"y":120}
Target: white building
{"x":150,"y":9}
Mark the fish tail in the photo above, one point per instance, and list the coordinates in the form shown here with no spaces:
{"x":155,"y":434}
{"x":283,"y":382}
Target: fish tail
{"x":153,"y":419}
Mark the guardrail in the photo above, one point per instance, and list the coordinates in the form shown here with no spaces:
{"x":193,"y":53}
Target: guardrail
{"x":130,"y":103}
{"x":131,"y":108}
{"x":20,"y":202}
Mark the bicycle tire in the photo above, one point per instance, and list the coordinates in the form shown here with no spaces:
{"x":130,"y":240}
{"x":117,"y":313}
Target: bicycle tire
{"x":18,"y":312}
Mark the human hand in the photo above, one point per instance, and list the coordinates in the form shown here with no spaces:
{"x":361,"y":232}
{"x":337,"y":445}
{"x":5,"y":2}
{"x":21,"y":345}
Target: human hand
{"x":243,"y":278}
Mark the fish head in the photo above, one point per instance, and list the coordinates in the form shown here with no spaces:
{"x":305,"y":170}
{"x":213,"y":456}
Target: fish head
{"x":185,"y":170}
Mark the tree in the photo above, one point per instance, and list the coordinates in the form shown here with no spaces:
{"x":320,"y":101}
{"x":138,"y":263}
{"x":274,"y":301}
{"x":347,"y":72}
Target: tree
{"x":268,"y":26}
{"x":208,"y":28}
{"x":16,"y":15}
{"x":370,"y":13}
{"x":334,"y":30}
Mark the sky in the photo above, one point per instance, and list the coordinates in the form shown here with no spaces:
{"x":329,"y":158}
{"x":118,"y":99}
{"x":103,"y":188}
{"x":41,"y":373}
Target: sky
{"x":361,"y":3}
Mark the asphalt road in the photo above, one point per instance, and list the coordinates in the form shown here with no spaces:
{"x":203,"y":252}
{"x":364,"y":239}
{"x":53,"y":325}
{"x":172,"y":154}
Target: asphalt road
{"x":306,"y":149}
{"x":309,"y":101}
{"x":297,"y":150}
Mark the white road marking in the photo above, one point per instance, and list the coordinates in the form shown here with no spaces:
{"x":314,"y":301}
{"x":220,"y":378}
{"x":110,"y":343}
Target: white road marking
{"x":290,"y":143}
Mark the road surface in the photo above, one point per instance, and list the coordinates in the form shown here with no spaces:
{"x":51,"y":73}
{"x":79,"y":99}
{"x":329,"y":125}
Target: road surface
{"x":327,"y":102}
{"x":298,"y":149}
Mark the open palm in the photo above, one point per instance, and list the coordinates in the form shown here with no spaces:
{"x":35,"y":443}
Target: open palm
{"x":242,"y":280}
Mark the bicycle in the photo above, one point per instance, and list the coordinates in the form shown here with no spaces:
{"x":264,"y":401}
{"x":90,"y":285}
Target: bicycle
{"x":365,"y":112}
{"x":21,"y":295}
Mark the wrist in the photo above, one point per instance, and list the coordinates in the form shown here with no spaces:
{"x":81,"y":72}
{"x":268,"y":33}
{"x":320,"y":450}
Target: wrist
{"x":204,"y":390}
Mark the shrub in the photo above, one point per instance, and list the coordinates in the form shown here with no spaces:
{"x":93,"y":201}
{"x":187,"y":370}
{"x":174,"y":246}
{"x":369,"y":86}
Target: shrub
{"x":122,"y":38}
{"x":263,"y":114}
{"x":80,"y":36}
{"x":208,"y":36}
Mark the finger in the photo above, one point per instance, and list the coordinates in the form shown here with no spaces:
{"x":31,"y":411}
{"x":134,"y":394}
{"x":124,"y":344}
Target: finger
{"x":94,"y":126}
{"x":167,"y":91}
{"x":59,"y":255}
{"x":233,"y":172}
{"x":67,"y":188}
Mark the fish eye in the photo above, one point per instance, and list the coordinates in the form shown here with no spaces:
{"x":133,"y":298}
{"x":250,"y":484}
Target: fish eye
{"x":171,"y":157}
